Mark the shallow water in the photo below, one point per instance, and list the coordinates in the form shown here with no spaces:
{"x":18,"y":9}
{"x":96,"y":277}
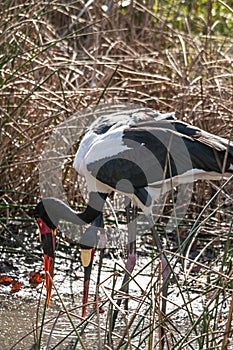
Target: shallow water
{"x":18,"y":312}
{"x":17,"y":319}
{"x":21,"y":312}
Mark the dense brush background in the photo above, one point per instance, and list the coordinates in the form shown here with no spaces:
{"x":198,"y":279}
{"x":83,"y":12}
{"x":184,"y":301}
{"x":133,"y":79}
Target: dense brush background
{"x":56,"y":59}
{"x":59,"y":57}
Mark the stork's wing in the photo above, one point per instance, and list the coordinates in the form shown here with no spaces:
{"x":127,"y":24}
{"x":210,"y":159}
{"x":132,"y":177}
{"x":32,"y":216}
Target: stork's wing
{"x":215,"y":142}
{"x":147,"y":153}
{"x":108,"y":122}
{"x":127,"y":117}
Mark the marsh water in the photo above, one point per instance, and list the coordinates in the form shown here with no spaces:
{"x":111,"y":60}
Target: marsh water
{"x":22,"y":312}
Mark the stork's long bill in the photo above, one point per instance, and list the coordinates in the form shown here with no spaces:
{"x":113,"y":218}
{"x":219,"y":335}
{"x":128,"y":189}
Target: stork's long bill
{"x":48,"y":241}
{"x":87,"y":257}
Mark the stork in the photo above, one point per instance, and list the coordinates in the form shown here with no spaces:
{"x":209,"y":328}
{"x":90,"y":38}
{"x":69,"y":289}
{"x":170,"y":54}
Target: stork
{"x":102,"y":125}
{"x":140,"y":160}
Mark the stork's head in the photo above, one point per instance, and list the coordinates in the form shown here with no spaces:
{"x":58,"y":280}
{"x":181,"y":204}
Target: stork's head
{"x":47,"y":231}
{"x":48,"y":212}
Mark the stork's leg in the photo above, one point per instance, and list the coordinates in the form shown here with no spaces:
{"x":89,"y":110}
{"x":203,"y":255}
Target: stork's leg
{"x":131,"y":214}
{"x":165,"y":272}
{"x":101,"y":246}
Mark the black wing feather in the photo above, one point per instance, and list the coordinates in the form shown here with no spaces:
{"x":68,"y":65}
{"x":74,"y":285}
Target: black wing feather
{"x":158,"y":150}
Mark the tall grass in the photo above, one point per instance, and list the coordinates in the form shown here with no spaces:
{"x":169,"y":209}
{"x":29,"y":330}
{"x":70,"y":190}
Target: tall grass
{"x":57,"y":58}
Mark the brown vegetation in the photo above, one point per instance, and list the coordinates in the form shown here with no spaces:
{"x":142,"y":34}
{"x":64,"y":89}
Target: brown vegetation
{"x":58,"y":58}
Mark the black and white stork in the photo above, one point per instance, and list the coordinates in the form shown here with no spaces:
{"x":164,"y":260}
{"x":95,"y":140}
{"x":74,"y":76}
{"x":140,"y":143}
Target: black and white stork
{"x":102,"y":125}
{"x":141,"y":160}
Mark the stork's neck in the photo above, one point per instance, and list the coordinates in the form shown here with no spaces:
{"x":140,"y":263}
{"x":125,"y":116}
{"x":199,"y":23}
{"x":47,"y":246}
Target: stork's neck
{"x":84,"y":147}
{"x":52,"y":210}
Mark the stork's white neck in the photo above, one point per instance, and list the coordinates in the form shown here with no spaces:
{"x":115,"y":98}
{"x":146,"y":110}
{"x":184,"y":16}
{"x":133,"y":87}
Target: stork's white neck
{"x":85,"y":145}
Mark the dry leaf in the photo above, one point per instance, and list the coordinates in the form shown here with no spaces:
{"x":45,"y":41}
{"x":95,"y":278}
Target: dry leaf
{"x":35,"y":277}
{"x":15,"y":286}
{"x":6,"y":280}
